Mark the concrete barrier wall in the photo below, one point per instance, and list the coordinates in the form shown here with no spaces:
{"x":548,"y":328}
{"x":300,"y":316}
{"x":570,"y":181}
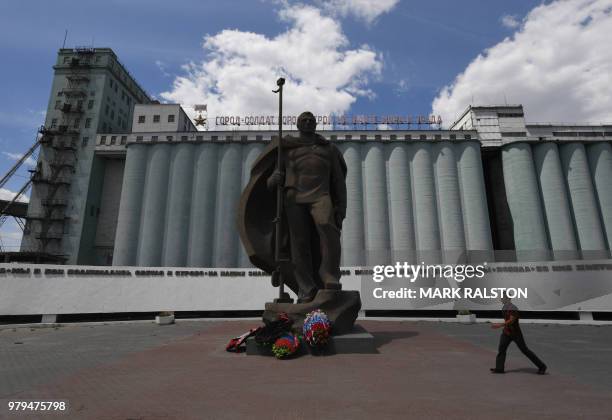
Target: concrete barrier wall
{"x":59,"y":289}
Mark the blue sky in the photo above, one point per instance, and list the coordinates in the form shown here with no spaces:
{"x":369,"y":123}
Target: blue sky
{"x":408,"y":54}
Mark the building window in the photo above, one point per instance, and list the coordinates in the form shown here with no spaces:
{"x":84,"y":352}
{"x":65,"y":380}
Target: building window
{"x":408,"y":137}
{"x":84,"y":141}
{"x":87,"y":122}
{"x":106,"y":110}
{"x":438,"y":137}
{"x":170,"y":118}
{"x":453,"y":137}
{"x":423,"y":137}
{"x":123,"y":139}
{"x":259,"y":137}
{"x":199,"y":138}
{"x":138,"y":138}
{"x":58,"y":104}
{"x":111,"y":83}
{"x":155,"y":118}
{"x":467,"y":137}
{"x":60,"y":93}
{"x":112,"y":115}
{"x":153,"y":138}
{"x":393,"y":137}
{"x":104,"y":127}
{"x":92,"y":93}
{"x":113,"y":140}
{"x":169,"y":138}
{"x":77,"y":123}
{"x":141,"y":119}
{"x":183,"y":138}
{"x":90,"y":104}
{"x":66,"y":60}
{"x":103,"y":140}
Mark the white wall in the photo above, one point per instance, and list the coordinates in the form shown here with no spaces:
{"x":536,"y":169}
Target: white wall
{"x":31,"y":293}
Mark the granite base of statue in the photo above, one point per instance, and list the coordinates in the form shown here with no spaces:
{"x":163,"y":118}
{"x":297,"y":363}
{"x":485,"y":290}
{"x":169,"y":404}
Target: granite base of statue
{"x":341,"y":307}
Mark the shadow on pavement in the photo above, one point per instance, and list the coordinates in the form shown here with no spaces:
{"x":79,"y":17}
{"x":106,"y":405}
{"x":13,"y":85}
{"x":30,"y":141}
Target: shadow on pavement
{"x":531,"y":371}
{"x":382,"y":338}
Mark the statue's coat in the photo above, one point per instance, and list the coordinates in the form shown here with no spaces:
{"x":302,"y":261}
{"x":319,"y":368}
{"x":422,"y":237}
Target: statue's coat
{"x":257,"y":211}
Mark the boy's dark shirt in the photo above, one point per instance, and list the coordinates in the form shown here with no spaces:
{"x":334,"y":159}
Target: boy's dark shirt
{"x":512,"y":329}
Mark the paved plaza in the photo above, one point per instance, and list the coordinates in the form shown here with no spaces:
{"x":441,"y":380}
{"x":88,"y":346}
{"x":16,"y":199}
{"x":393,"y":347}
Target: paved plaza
{"x":422,"y":370}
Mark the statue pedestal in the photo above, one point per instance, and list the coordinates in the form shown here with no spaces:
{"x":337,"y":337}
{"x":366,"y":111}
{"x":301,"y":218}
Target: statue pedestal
{"x":341,"y":307}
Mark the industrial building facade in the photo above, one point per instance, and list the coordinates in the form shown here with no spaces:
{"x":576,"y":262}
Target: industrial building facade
{"x":91,"y":92}
{"x":490,"y":188}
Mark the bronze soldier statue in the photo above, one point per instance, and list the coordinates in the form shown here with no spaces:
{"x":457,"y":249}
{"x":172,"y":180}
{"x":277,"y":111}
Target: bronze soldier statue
{"x":313,"y":180}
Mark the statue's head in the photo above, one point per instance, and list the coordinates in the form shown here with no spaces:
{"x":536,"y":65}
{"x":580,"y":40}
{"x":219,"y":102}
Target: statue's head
{"x":306,"y":122}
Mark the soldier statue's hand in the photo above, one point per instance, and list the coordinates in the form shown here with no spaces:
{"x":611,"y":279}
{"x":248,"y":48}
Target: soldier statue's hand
{"x":339,"y":219}
{"x":275,"y":179}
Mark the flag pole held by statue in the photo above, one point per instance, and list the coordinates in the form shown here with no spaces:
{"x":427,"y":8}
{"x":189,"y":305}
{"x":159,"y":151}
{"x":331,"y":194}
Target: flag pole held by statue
{"x":282,"y":296}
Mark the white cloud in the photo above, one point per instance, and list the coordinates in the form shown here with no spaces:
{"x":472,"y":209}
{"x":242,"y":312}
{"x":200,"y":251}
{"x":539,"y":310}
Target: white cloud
{"x":368,"y":10}
{"x":240,"y":69}
{"x":558,"y":65}
{"x":8,"y":195}
{"x":16,"y":156}
{"x":162,"y":68}
{"x":402,"y":87}
{"x":510,"y":21}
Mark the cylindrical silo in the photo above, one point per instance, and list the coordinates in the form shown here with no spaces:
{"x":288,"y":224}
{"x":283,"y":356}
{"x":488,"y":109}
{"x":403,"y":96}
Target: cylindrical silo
{"x":154,"y":206}
{"x":476,"y":220}
{"x":203,"y":200}
{"x":179,"y":206}
{"x":353,"y":235}
{"x":128,"y":220}
{"x":583,"y":201}
{"x":523,"y":198}
{"x":427,"y":233}
{"x":600,"y":163}
{"x":250,"y":152}
{"x":555,"y":201}
{"x":375,"y":204}
{"x":400,"y":202}
{"x":449,"y":203}
{"x":225,"y":252}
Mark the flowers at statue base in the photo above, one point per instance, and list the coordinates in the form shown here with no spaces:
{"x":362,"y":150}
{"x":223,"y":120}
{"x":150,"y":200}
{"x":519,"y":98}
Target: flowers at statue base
{"x":316,"y":329}
{"x":285,"y":346}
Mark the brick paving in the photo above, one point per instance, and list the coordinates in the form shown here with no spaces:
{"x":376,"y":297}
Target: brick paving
{"x":423,"y":370}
